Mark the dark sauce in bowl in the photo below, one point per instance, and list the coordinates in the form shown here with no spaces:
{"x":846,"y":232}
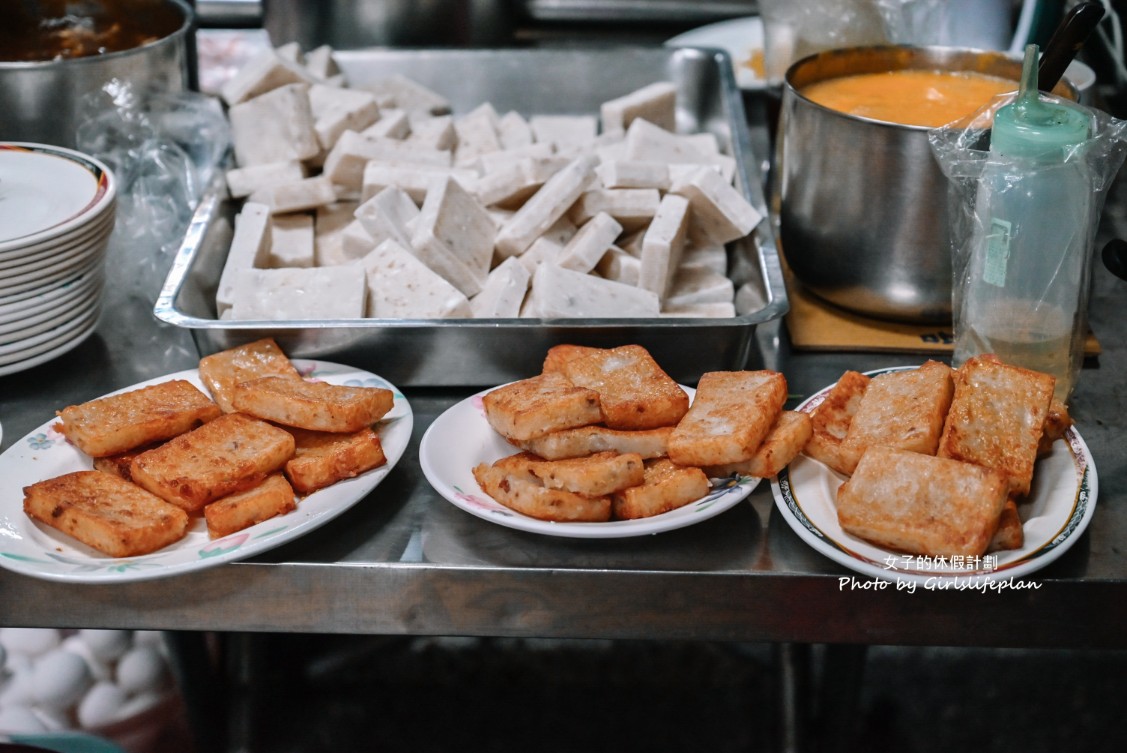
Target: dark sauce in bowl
{"x":46,"y":30}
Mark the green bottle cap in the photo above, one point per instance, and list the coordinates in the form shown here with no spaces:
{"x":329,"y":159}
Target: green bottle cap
{"x":1033,"y":127}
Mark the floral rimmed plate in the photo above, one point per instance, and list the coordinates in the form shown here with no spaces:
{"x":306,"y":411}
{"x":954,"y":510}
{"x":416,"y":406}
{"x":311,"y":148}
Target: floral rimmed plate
{"x":1057,"y":510}
{"x":47,"y":191}
{"x":461,"y":438}
{"x":33,"y":549}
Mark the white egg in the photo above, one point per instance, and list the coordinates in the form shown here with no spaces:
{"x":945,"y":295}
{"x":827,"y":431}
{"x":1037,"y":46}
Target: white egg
{"x":60,"y":678}
{"x":18,"y":663}
{"x":29,"y":641}
{"x":99,"y":670}
{"x":107,"y":645}
{"x":101,"y":705}
{"x":149,"y":638}
{"x":138,"y":704}
{"x":20,"y":720}
{"x":53,"y":719}
{"x":141,"y":668}
{"x":18,"y":689}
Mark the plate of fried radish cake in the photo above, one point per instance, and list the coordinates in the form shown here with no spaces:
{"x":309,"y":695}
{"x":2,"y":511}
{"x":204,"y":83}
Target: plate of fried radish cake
{"x":193,"y":469}
{"x":940,"y":476}
{"x":604,"y":444}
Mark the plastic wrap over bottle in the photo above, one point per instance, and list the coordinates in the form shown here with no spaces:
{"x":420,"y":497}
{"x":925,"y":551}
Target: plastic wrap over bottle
{"x":1023,"y":227}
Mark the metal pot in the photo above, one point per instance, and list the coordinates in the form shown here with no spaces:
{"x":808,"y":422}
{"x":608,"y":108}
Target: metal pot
{"x":39,"y":93}
{"x":863,"y":204}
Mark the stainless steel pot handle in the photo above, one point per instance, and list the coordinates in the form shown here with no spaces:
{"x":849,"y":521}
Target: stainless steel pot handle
{"x":229,"y":14}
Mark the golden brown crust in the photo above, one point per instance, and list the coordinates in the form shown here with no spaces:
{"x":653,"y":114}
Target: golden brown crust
{"x":1057,"y":423}
{"x":595,"y":475}
{"x":240,"y":510}
{"x":323,"y":458}
{"x":783,"y":443}
{"x":1010,"y":533}
{"x":539,"y":405}
{"x":231,"y":453}
{"x":997,"y":418}
{"x":667,"y":486}
{"x":535,"y":501}
{"x":902,"y":409}
{"x":220,"y":372}
{"x":559,"y":355}
{"x":729,"y":418}
{"x":317,"y":406}
{"x":105,"y":512}
{"x":830,"y":422}
{"x":921,"y":504}
{"x":585,"y":440}
{"x":118,"y":423}
{"x":634,"y":392}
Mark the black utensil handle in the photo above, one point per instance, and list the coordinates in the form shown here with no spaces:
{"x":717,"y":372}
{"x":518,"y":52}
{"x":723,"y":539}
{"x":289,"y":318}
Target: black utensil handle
{"x":1067,"y":39}
{"x":1115,"y":257}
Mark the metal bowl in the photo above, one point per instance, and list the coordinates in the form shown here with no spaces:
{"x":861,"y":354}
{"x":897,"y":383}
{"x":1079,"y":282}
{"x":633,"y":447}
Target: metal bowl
{"x":44,"y":74}
{"x":863,"y":204}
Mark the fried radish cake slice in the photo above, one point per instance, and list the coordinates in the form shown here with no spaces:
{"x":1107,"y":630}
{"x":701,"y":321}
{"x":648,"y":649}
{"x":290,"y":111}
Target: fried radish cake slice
{"x":559,"y":355}
{"x":530,"y":498}
{"x":902,"y":409}
{"x":634,"y":392}
{"x":226,"y":455}
{"x":730,"y":416}
{"x":1011,"y":532}
{"x":539,"y":405}
{"x":829,"y":422}
{"x":220,"y":372}
{"x":587,"y":440}
{"x":782,"y":444}
{"x":273,"y":497}
{"x":317,"y":406}
{"x":121,"y":464}
{"x":105,"y":512}
{"x":595,"y":475}
{"x":117,"y":423}
{"x":921,"y":504}
{"x":997,"y":418}
{"x":667,"y":486}
{"x":324,"y":458}
{"x":1057,"y":423}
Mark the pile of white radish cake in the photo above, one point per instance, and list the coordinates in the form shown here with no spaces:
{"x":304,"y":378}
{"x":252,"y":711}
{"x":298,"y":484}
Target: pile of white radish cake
{"x":383,"y":203}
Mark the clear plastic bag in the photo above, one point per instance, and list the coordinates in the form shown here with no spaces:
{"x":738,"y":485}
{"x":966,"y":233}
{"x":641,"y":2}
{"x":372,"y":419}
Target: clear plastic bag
{"x":163,"y":148}
{"x":1022,"y":232}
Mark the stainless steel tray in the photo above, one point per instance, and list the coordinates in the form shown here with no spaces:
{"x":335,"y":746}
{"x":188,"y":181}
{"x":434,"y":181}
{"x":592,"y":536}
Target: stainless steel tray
{"x":418,"y":352}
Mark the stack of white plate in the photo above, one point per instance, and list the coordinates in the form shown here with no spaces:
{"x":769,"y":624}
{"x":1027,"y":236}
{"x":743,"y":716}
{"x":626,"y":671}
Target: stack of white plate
{"x":56,"y":216}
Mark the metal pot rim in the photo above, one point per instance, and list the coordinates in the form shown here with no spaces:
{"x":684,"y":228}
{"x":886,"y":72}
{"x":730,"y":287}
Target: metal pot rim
{"x":899,"y":57}
{"x":189,"y":21}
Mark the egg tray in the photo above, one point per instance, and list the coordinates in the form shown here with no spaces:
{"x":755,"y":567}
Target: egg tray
{"x":479,"y":352}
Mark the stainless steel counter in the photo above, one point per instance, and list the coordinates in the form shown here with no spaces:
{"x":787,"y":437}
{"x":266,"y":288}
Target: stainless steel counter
{"x":405,"y":561}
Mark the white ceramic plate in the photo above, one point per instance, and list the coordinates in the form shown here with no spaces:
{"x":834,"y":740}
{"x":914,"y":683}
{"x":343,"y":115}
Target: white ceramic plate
{"x":77,"y":234}
{"x":63,"y":248}
{"x":45,"y":320}
{"x":56,"y":299}
{"x":17,"y":291}
{"x":45,"y":352}
{"x":47,"y":190}
{"x":741,"y":38}
{"x":56,"y":267}
{"x":39,"y":551}
{"x":16,"y":349}
{"x":1059,"y":508}
{"x":461,"y":438}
